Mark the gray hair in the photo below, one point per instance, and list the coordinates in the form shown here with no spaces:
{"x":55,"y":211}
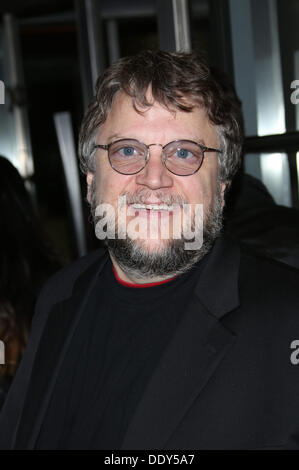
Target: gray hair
{"x":177,"y":80}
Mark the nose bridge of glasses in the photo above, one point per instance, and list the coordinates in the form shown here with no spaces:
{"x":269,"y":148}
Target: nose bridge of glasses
{"x":151,"y":145}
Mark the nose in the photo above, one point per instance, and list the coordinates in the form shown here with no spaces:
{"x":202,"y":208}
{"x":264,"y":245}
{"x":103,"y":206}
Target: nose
{"x":155,"y":175}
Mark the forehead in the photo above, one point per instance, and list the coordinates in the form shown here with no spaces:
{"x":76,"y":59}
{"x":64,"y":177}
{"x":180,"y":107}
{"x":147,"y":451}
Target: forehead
{"x":123,"y":120}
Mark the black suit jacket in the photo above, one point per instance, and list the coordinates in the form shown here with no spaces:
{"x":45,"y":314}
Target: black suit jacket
{"x":225,"y":381}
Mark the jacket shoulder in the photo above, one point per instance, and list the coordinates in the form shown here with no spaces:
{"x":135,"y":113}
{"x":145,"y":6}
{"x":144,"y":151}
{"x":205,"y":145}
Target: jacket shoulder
{"x":60,"y":285}
{"x":268,"y":279}
{"x":57,"y":288}
{"x":266,"y":268}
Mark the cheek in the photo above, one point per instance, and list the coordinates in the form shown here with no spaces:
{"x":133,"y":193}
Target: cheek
{"x":105,"y":178}
{"x":110,"y":184}
{"x":201,"y":188}
{"x":209,"y":181}
{"x":108,"y":188}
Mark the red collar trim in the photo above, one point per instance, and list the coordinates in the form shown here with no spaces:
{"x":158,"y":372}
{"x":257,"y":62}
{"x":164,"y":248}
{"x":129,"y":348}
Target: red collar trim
{"x":139,"y":286}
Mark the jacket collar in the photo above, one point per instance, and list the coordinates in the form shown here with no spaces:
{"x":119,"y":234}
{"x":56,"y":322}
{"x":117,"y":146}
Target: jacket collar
{"x":217,"y":287}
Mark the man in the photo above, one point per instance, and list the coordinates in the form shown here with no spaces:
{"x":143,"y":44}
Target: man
{"x":147,"y":344}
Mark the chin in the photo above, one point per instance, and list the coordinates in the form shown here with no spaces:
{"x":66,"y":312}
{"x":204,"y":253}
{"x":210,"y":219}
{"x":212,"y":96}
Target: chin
{"x":152,"y":245}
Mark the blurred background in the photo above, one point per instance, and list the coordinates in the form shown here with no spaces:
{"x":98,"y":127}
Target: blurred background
{"x":51,"y":53}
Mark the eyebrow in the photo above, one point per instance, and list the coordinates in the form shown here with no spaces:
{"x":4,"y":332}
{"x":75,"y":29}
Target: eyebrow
{"x":118,"y":137}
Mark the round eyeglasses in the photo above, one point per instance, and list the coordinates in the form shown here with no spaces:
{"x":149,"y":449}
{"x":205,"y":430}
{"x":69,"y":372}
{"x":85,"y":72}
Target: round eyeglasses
{"x":181,"y":157}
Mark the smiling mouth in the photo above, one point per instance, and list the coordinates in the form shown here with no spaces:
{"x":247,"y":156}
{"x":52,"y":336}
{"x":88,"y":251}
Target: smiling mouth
{"x":154,"y":207}
{"x":160,"y":211}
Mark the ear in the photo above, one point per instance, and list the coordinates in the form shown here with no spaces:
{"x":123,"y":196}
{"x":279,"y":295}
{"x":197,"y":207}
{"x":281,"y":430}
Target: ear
{"x":89,"y":179}
{"x":223,"y":188}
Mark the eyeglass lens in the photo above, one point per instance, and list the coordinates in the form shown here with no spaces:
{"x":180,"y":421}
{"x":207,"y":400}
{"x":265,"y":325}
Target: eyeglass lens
{"x":181,"y":157}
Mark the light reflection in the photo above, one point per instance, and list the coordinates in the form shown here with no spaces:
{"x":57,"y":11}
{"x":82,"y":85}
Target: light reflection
{"x":276,"y":176}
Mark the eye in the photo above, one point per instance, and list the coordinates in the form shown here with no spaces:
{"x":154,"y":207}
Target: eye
{"x":184,"y":153}
{"x":127,"y":151}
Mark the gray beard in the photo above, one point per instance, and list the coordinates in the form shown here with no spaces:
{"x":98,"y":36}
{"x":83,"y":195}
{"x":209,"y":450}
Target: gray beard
{"x":171,"y":260}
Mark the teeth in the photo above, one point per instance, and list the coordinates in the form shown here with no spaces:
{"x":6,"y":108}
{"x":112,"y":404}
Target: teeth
{"x":153,"y":207}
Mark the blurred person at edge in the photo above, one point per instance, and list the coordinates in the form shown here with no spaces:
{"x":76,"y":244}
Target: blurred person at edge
{"x":144,"y":344}
{"x":25,"y":265}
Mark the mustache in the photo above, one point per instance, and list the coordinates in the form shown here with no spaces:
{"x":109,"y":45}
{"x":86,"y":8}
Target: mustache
{"x":142,"y":196}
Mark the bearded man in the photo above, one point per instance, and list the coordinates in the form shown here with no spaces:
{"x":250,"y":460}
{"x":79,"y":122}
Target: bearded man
{"x":170,"y":336}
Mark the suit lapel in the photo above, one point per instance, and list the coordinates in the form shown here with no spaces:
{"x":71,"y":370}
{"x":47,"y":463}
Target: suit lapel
{"x":190,"y":360}
{"x":193,"y":355}
{"x":58,"y":331}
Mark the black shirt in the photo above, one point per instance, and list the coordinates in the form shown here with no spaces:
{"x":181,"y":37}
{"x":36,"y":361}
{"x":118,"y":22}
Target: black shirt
{"x":116,"y":345}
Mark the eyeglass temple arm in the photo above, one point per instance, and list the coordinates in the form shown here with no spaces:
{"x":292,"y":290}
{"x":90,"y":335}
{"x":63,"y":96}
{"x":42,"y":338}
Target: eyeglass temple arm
{"x":210,"y":149}
{"x":105,"y":147}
